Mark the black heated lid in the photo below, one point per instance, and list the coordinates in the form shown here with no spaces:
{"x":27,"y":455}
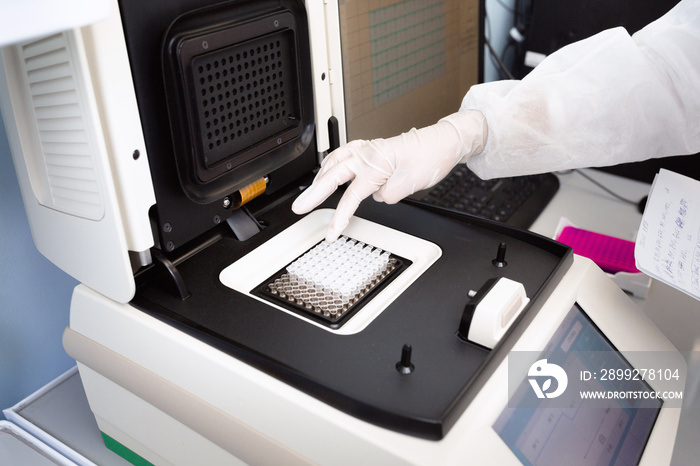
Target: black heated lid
{"x":225,"y":96}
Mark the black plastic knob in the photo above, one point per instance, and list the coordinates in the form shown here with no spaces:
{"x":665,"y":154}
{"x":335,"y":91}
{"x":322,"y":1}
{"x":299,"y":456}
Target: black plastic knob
{"x":500,"y":260}
{"x":405,"y":366}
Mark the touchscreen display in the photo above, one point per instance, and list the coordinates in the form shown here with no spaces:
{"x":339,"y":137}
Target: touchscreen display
{"x":548,"y":421}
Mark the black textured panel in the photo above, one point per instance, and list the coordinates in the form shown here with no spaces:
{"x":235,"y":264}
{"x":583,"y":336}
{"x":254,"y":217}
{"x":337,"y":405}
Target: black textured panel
{"x":244,"y":94}
{"x":239,"y":95}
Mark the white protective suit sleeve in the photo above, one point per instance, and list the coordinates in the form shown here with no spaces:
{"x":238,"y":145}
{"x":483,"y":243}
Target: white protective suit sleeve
{"x":605,"y":100}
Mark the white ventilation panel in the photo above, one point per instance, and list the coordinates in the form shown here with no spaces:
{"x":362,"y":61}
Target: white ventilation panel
{"x":65,"y":175}
{"x":71,"y":118}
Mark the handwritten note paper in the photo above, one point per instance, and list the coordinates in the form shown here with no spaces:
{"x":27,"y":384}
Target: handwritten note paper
{"x":668,"y":242}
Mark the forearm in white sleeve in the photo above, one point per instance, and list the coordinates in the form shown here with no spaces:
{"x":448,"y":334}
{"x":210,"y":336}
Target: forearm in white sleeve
{"x":605,"y":100}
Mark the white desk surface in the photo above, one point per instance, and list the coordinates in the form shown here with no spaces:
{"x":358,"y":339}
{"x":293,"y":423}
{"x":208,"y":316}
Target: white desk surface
{"x":588,"y":206}
{"x":676,"y":314}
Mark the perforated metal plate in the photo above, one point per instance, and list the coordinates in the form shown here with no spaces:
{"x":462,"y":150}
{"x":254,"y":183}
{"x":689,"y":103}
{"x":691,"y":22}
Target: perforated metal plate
{"x":238,"y":94}
{"x":245,"y":94}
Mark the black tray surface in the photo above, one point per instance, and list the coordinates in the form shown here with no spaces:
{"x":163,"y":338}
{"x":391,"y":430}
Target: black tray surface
{"x":357,"y":373}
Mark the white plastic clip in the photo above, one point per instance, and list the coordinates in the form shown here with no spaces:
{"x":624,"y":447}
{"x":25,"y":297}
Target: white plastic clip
{"x":496,"y":311}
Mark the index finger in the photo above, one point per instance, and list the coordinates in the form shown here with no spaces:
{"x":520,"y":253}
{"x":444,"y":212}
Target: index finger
{"x":359,"y":190}
{"x":323,"y":186}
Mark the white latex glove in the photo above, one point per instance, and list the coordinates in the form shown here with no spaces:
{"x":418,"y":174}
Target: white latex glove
{"x":391,"y":169}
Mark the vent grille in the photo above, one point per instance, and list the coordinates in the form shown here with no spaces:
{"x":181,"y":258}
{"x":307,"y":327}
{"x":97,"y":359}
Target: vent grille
{"x":245,"y":94}
{"x":67,"y":149}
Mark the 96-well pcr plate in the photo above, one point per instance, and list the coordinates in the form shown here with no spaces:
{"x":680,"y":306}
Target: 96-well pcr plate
{"x":331,"y":281}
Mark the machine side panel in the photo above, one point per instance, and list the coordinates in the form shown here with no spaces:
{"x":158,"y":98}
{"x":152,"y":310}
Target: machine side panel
{"x":110,"y":73}
{"x":57,"y":142}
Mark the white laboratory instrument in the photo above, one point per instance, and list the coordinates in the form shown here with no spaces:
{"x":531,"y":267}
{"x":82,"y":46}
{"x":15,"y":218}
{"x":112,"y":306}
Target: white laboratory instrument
{"x":158,"y":153}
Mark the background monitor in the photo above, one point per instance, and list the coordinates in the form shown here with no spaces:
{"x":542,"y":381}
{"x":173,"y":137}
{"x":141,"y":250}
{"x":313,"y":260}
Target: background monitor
{"x":407,"y":63}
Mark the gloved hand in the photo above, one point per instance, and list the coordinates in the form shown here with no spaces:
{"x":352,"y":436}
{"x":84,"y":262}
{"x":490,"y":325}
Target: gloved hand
{"x":391,"y":169}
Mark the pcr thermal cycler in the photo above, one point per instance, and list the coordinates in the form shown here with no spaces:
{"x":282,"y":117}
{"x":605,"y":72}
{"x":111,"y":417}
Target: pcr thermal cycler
{"x":159,"y":152}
